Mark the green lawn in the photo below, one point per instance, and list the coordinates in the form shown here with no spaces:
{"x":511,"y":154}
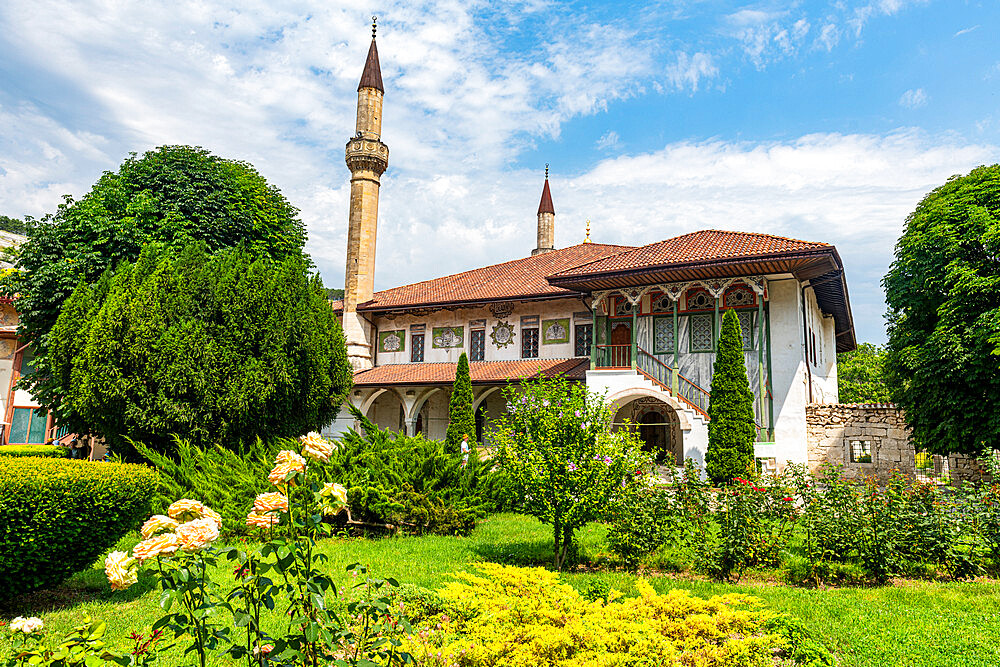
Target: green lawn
{"x":914,"y":624}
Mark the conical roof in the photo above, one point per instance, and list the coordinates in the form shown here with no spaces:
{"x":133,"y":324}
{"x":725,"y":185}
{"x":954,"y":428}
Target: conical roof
{"x":545,"y":205}
{"x":372,"y":76}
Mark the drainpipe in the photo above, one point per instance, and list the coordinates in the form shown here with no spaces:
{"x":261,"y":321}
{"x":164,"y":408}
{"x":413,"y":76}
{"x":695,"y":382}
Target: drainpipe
{"x":805,"y":345}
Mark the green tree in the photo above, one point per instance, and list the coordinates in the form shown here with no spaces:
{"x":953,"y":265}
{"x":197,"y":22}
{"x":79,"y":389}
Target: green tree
{"x":13,"y":225}
{"x":170,"y":196}
{"x":561,"y":458}
{"x":461,"y":420}
{"x":943,"y":292}
{"x":731,"y":429}
{"x":861,"y":375}
{"x":214,"y":348}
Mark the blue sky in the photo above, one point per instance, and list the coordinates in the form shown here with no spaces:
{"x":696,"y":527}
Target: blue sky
{"x":824,"y":120}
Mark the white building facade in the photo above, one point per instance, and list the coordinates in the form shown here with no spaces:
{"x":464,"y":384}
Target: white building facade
{"x":638,"y":325}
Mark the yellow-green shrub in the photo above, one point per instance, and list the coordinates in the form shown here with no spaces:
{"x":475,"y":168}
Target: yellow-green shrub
{"x":45,"y":451}
{"x":58,"y":515}
{"x":525,"y":617}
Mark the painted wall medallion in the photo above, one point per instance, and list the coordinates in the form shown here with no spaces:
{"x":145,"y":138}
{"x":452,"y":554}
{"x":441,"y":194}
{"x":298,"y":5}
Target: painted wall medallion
{"x":447,"y":337}
{"x":502,"y":334}
{"x":555,"y":331}
{"x":392,"y":341}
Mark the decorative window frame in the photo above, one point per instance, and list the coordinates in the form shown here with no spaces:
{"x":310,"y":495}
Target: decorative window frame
{"x":669,"y":319}
{"x":691,"y":320}
{"x":694,"y":292}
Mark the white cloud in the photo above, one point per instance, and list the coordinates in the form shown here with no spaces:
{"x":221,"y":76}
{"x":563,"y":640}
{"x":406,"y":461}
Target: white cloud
{"x":609,"y":140}
{"x":966,"y":31}
{"x":913,"y":98}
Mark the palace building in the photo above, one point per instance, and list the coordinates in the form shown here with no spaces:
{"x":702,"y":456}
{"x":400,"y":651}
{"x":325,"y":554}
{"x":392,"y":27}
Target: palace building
{"x":638,"y":324}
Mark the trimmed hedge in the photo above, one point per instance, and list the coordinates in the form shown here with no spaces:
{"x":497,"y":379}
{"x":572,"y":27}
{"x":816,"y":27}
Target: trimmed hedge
{"x":45,"y":451}
{"x":57,"y":516}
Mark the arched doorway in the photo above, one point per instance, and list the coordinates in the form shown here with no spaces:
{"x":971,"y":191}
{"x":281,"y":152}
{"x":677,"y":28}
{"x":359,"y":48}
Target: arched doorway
{"x":658,"y":428}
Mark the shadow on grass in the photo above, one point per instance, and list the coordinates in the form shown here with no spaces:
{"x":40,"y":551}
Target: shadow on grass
{"x":523,"y":553}
{"x":81,"y":588}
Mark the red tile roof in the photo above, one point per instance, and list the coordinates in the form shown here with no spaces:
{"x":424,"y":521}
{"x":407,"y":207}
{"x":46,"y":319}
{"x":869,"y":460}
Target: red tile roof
{"x":520,"y":278}
{"x":482,"y":372}
{"x":704,"y":246}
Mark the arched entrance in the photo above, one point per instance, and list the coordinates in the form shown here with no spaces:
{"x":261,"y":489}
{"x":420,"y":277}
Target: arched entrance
{"x":658,"y":428}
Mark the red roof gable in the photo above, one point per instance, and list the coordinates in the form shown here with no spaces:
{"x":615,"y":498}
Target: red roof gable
{"x":704,"y":246}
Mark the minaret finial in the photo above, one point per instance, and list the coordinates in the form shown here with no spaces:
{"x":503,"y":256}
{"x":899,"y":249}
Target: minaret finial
{"x":374,"y":26}
{"x":546,"y":171}
{"x":587,"y":238}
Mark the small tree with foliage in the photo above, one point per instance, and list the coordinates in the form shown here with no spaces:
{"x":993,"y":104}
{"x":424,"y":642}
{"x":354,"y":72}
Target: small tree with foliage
{"x":943,"y":292}
{"x":461,"y":420}
{"x":861,"y":375}
{"x":214,"y":348}
{"x":731,"y":429}
{"x":560,"y":456}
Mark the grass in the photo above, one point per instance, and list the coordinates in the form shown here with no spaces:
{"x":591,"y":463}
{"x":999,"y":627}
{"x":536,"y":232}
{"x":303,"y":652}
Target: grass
{"x":914,"y":624}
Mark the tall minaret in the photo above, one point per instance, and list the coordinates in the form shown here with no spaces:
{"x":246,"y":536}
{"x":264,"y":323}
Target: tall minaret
{"x":546,"y":220}
{"x":367,"y":158}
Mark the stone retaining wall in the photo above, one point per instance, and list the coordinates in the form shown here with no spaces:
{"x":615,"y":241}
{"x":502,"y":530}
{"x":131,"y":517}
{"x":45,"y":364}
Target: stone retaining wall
{"x":876,"y":432}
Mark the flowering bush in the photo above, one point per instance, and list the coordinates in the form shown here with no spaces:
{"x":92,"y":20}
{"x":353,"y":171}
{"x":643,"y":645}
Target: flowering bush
{"x":178,"y":549}
{"x":561,"y":456}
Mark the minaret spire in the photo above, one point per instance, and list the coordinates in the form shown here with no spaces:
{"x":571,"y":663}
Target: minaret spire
{"x":546,"y":219}
{"x":367,"y":158}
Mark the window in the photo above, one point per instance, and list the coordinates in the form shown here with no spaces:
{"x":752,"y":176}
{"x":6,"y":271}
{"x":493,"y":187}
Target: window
{"x":701,"y":333}
{"x":739,"y":296}
{"x":861,"y":451}
{"x":529,"y":343}
{"x":699,"y":299}
{"x":27,"y":426}
{"x":746,"y":328}
{"x":622,"y":307}
{"x":812,"y":347}
{"x":584,"y":334}
{"x":477,"y":344}
{"x":416,"y":346}
{"x":663,"y":335}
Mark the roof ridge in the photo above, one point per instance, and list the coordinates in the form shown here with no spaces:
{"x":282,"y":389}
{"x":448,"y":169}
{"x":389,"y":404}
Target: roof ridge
{"x":547,"y":255}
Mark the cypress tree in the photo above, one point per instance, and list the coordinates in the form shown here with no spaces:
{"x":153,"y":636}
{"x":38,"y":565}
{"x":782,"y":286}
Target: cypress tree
{"x":731,"y":429}
{"x":461,"y":420}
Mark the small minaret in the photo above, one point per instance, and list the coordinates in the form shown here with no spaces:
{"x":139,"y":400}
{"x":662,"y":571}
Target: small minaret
{"x":367,"y":158}
{"x":546,"y":220}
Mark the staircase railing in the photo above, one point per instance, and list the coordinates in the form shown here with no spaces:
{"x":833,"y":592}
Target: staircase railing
{"x":614,"y":356}
{"x":689,"y":392}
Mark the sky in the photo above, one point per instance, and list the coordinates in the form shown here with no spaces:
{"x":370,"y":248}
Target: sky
{"x":822,"y":120}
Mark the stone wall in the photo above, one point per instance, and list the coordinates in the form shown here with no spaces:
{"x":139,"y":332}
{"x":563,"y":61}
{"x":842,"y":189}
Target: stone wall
{"x":866,"y":438}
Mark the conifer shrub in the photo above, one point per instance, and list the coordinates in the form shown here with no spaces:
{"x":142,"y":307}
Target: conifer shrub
{"x":44,"y":451}
{"x":505,"y":615}
{"x":731,"y":429}
{"x":461,"y":419}
{"x":57,"y":516}
{"x":417,"y":483}
{"x":218,"y":477}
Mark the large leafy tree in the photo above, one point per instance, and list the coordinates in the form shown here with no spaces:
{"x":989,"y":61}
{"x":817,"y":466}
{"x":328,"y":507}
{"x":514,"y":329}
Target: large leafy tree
{"x":861,"y":375}
{"x":461,"y":420}
{"x":731,"y":429}
{"x":215,"y":348}
{"x":943,"y":292}
{"x":169,"y":196}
